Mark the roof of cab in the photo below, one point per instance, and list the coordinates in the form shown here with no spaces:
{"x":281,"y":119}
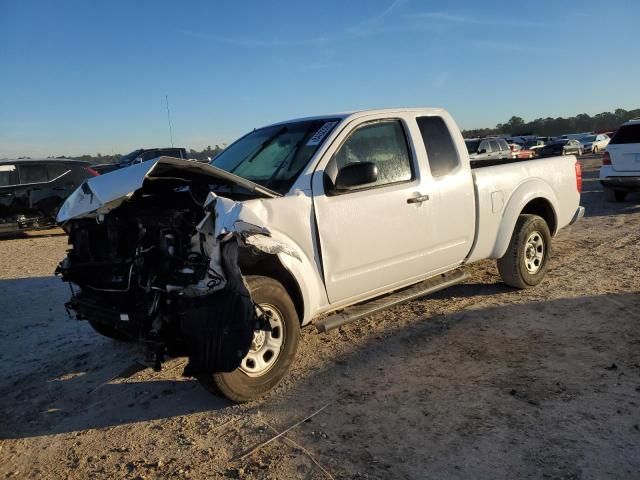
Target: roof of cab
{"x":363,"y":113}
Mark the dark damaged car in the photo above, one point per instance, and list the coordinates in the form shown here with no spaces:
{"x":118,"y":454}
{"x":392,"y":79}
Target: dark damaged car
{"x":32,"y":191}
{"x":324,"y":219}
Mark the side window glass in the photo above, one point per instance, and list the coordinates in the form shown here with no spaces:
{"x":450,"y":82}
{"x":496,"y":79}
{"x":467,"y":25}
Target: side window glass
{"x":494,"y":146}
{"x":441,"y":151}
{"x":33,"y":174}
{"x":382,"y":143}
{"x":8,"y":175}
{"x":57,"y":170}
{"x":485,"y":146}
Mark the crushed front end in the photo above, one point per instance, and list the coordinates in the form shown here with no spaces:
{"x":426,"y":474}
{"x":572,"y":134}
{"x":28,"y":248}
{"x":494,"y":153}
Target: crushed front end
{"x":159,"y":264}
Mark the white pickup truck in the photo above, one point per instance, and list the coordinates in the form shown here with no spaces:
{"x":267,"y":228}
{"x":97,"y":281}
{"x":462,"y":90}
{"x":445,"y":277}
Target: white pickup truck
{"x":324,"y":219}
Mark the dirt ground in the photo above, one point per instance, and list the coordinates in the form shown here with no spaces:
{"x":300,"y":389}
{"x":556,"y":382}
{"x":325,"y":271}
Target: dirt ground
{"x":479,"y":381}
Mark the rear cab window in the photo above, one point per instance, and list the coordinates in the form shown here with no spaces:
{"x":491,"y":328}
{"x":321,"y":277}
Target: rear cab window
{"x":441,"y":151}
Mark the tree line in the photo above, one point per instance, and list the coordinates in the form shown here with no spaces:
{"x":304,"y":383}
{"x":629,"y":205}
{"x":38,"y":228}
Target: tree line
{"x":552,"y":127}
{"x":208,"y":152}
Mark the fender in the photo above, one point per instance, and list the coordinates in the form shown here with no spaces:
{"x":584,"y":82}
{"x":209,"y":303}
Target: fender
{"x":526,"y":192}
{"x":289,"y":221}
{"x":302,"y":270}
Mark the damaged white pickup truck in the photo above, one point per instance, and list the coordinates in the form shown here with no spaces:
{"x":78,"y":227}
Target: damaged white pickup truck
{"x":324,"y":219}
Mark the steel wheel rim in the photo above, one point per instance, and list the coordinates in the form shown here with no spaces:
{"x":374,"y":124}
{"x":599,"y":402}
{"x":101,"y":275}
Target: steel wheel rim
{"x":266,"y":346}
{"x":534,"y":252}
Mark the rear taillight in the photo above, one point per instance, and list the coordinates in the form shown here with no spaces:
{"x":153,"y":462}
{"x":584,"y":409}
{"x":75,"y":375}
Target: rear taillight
{"x":578,"y":177}
{"x":606,"y":159}
{"x":91,"y":171}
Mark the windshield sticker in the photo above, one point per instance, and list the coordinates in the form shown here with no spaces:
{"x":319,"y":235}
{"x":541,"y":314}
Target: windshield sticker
{"x":320,"y":134}
{"x":7,"y":168}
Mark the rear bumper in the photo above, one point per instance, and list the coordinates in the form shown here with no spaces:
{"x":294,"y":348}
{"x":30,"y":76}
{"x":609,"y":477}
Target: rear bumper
{"x":578,"y":215}
{"x":629,"y":184}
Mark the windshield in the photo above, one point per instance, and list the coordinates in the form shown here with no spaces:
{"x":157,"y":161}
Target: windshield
{"x":590,"y":138}
{"x":129,"y":157}
{"x":531,"y":143}
{"x":472,"y":145}
{"x":274,"y":156}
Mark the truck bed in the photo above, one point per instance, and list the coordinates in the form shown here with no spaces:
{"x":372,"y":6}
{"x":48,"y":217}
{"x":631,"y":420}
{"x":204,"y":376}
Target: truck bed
{"x":499,"y":182}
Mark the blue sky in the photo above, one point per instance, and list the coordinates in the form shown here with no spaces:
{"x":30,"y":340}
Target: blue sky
{"x":86,"y":76}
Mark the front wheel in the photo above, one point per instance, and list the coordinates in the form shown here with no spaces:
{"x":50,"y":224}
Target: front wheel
{"x":594,"y":149}
{"x":526,"y":260}
{"x":271,"y":352}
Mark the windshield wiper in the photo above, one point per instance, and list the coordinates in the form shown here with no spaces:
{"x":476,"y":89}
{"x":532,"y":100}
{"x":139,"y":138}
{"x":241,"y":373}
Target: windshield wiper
{"x":261,"y":148}
{"x":290,"y":156}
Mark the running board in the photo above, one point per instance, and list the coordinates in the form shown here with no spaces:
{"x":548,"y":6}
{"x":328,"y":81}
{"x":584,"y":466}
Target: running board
{"x":362,"y":310}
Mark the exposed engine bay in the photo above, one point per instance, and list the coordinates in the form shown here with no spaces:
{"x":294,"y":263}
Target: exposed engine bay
{"x":160,"y":265}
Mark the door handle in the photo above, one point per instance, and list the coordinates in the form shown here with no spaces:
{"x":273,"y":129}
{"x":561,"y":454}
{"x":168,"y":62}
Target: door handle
{"x":419,"y":199}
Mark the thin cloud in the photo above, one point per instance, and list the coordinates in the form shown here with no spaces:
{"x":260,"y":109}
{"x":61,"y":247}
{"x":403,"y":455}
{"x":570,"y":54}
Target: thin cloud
{"x":453,"y":18}
{"x":368,"y":26}
{"x":510,"y":47}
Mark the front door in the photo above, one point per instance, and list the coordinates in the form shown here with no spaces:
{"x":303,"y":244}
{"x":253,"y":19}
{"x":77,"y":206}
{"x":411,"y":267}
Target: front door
{"x":379,"y":235}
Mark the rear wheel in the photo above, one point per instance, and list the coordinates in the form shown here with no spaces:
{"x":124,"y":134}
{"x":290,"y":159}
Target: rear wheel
{"x":526,"y":260}
{"x":271,"y":352}
{"x":612,"y":195}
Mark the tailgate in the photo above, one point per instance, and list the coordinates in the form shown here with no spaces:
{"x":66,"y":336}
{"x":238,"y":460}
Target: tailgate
{"x":624,"y":148}
{"x":625,"y":157}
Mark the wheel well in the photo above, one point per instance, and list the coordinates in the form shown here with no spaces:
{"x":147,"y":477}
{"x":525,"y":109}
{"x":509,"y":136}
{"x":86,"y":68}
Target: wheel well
{"x":542,"y":208}
{"x":254,"y":262}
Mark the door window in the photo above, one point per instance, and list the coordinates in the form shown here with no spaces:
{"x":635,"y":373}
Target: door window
{"x":55,"y":171}
{"x":494,"y":146}
{"x":484,"y":145}
{"x":8,"y":175}
{"x":33,"y":174}
{"x":383,"y":143}
{"x":443,"y":157}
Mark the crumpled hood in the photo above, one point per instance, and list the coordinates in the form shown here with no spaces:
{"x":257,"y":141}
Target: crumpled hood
{"x":99,"y":195}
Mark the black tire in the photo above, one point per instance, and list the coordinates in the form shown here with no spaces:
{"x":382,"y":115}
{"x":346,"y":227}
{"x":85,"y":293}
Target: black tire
{"x":612,"y":195}
{"x":108,"y":331}
{"x":513,"y":266}
{"x":594,"y":150}
{"x":237,"y":385}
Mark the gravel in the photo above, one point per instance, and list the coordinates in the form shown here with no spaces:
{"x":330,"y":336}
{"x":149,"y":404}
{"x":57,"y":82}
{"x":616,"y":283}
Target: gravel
{"x":479,"y":381}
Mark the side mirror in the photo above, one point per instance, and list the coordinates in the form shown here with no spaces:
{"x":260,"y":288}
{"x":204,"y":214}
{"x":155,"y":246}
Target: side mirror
{"x":356,"y":174}
{"x":481,"y":151}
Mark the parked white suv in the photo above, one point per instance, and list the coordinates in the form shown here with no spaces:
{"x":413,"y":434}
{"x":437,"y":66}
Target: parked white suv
{"x":620,"y":171}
